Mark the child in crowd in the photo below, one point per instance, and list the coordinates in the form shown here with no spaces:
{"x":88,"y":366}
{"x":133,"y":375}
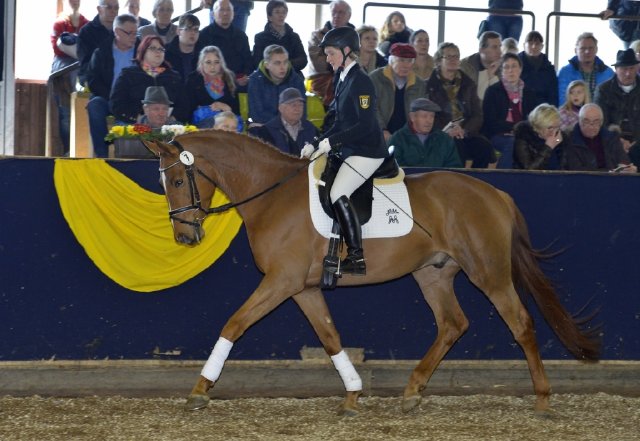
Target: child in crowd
{"x":394,"y":30}
{"x":577,"y":95}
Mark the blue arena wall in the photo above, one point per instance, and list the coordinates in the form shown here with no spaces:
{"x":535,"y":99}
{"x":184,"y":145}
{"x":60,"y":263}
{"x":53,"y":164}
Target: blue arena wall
{"x":55,"y":303}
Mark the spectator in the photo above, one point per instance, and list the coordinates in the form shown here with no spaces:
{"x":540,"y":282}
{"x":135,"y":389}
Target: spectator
{"x":577,"y":96}
{"x":507,"y":25}
{"x":424,"y":62}
{"x":461,"y":116}
{"x":105,"y":66}
{"x":369,"y":59}
{"x":242,"y":10}
{"x":509,"y":45}
{"x":65,"y":29}
{"x":539,"y":142}
{"x":182,"y":51}
{"x":626,"y":30}
{"x":96,"y":32}
{"x":320,"y":75}
{"x":585,"y":65}
{"x":162,"y":26}
{"x":592,"y":147}
{"x":226,"y":121}
{"x":156,"y":108}
{"x":396,"y":87}
{"x":210,"y":88}
{"x":635,"y":45}
{"x":394,"y":30}
{"x":505,"y":104}
{"x":133,"y":6}
{"x":418,"y":144}
{"x":150,"y":69}
{"x":537,"y":71}
{"x":619,"y":98}
{"x":273,"y":75}
{"x":288,"y":131}
{"x":232,"y":41}
{"x":276,"y":31}
{"x":482,"y":67}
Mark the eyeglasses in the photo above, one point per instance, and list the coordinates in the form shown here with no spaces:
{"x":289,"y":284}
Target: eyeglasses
{"x":157,"y":49}
{"x":128,"y":34}
{"x":191,"y":29}
{"x":591,"y":122}
{"x":110,"y":7}
{"x":451,"y":57}
{"x":163,"y":10}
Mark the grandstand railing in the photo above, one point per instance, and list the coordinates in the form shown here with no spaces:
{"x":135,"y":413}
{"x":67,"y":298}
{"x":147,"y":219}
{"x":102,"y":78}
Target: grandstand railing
{"x":443,"y":9}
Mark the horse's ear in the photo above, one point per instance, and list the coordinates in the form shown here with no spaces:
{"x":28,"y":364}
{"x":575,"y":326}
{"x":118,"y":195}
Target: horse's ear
{"x":156,"y":147}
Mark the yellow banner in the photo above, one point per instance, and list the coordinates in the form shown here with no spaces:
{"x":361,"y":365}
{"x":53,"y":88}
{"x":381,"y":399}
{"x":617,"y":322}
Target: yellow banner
{"x":126,"y":231}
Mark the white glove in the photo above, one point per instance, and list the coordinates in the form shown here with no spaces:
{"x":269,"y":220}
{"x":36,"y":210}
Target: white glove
{"x":323,"y":147}
{"x":307,"y":151}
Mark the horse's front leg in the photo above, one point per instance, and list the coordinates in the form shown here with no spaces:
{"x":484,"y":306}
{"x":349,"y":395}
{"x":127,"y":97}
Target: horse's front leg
{"x":270,"y":293}
{"x":314,"y":307}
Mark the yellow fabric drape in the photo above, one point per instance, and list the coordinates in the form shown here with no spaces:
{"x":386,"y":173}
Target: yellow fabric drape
{"x":125,"y":229}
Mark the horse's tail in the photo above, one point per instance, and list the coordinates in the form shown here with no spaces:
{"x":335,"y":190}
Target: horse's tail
{"x":582,"y":341}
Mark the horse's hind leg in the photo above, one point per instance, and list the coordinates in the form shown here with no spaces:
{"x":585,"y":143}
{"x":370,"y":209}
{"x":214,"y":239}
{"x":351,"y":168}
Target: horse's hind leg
{"x":312,"y":303}
{"x":519,"y":321}
{"x":437,"y":288}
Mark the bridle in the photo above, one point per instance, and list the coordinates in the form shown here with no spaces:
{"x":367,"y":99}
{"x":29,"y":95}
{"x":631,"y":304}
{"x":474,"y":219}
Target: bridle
{"x":185,"y":158}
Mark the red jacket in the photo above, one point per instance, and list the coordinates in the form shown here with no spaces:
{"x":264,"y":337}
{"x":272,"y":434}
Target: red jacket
{"x":63,"y":24}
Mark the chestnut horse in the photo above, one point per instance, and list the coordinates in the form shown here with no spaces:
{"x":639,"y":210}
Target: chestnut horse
{"x":472,"y":227}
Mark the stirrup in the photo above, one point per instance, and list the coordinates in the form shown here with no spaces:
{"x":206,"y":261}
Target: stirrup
{"x":354,"y":265}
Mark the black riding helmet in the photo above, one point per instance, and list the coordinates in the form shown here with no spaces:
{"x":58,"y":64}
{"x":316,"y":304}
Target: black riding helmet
{"x":340,"y":38}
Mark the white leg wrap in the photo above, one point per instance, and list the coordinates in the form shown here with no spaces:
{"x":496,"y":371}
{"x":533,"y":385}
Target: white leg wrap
{"x":213,"y":366}
{"x":350,"y":378}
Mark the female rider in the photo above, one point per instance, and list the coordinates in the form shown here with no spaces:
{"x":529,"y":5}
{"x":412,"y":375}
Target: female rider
{"x":355,"y":133}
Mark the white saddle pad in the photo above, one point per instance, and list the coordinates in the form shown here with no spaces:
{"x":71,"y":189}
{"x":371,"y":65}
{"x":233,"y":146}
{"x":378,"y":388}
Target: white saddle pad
{"x":390,"y":213}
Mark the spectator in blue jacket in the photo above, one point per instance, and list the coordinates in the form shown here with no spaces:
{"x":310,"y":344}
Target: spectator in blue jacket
{"x":537,"y":71}
{"x":288,"y":131}
{"x":585,"y":65}
{"x":273,"y":75}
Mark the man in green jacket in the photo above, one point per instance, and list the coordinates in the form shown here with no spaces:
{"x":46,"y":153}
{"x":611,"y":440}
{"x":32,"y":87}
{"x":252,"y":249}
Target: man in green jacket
{"x":416,"y":144}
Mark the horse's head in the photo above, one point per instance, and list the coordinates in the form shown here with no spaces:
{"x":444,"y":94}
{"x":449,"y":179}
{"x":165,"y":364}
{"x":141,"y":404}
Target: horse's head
{"x":187,"y":188}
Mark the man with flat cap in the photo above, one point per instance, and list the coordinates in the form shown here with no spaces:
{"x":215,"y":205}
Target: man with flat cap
{"x":396,"y":87}
{"x":417,"y":144}
{"x":289,"y":130}
{"x":619,"y":98}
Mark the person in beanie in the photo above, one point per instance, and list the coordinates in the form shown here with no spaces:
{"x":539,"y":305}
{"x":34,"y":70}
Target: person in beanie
{"x":396,"y":87}
{"x":418,"y":144}
{"x":355,"y":135}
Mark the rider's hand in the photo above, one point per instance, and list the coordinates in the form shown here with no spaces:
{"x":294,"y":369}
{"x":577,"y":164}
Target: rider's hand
{"x":307,"y":150}
{"x":323,"y":147}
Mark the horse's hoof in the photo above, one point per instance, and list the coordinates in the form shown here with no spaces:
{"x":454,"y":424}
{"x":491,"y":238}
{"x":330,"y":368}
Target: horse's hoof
{"x":347,"y":412}
{"x":544,"y":414}
{"x":196,"y":402}
{"x":410,"y":403}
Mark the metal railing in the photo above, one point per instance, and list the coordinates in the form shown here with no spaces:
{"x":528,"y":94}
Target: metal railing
{"x":443,"y":9}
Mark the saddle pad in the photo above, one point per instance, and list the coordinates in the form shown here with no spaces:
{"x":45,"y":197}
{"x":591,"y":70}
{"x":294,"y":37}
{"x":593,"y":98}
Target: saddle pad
{"x":387,"y":220}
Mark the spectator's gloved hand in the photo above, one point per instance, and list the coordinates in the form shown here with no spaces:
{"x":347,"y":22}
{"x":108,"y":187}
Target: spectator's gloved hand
{"x":307,"y":150}
{"x":323,"y":147}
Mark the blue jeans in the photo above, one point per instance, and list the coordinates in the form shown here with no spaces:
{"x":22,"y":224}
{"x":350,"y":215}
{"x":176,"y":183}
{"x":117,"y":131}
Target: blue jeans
{"x":506,"y":26}
{"x":504,"y":144}
{"x":98,"y":110}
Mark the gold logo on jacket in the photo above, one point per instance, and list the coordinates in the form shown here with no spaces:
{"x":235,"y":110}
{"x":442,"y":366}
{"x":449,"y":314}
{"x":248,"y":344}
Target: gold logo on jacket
{"x":365,"y":100}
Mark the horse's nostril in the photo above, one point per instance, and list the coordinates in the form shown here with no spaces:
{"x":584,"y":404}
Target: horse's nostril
{"x":184,"y":239}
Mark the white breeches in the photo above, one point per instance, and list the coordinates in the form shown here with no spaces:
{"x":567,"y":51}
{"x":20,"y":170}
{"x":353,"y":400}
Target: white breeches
{"x":349,"y":178}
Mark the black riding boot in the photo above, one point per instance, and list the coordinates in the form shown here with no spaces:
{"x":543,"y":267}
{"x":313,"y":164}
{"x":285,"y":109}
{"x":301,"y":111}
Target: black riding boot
{"x":352,"y":233}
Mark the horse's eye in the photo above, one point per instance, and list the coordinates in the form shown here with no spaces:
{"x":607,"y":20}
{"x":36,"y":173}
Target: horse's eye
{"x":178,"y":183}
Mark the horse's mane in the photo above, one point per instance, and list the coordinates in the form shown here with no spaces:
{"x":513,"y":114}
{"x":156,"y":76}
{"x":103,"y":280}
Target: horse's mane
{"x":248,"y":145}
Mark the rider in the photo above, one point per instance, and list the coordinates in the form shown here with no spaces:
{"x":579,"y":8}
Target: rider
{"x":355,"y":134}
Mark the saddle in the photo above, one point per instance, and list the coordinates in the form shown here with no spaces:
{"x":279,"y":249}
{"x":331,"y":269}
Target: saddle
{"x":363,"y":196}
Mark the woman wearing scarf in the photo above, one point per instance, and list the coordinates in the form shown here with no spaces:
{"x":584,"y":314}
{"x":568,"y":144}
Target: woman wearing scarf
{"x":276,"y":31}
{"x":150,"y":69}
{"x":461,"y":114}
{"x":505,"y":104}
{"x":211,"y":88}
